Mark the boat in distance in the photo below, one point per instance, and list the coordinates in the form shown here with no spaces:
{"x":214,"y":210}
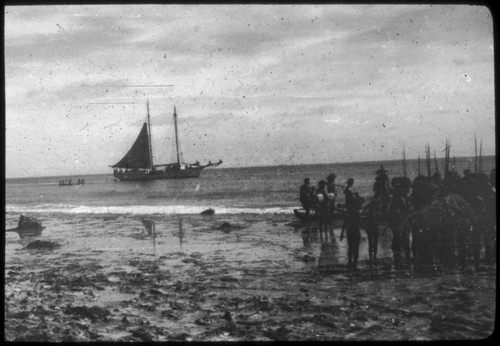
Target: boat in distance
{"x":138,"y":163}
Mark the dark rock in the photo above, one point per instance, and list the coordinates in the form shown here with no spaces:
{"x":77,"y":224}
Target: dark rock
{"x":181,"y":337}
{"x":203,"y":321}
{"x":208,"y":212}
{"x":80,"y":311}
{"x":227,"y":316}
{"x":142,"y":334}
{"x":226,"y":227}
{"x":28,"y":227}
{"x":42,"y":245}
{"x":19,"y":315}
{"x":278,"y":334}
{"x":93,"y":313}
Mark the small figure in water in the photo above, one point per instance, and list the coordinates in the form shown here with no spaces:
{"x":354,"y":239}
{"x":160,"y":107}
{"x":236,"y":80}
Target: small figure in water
{"x":305,"y":196}
{"x":353,"y":203}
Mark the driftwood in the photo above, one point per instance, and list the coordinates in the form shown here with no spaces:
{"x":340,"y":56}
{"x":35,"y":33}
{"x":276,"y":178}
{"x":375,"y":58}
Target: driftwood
{"x":28,"y":227}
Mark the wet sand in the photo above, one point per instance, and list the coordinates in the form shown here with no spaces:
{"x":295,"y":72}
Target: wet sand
{"x":265,"y":277}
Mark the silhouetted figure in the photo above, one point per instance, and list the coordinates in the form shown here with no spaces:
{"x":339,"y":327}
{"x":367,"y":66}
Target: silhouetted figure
{"x":332,"y":192}
{"x":372,"y":220}
{"x":305,"y":196}
{"x":397,"y":208}
{"x":382,"y":190}
{"x":353,"y":203}
{"x":322,"y":204}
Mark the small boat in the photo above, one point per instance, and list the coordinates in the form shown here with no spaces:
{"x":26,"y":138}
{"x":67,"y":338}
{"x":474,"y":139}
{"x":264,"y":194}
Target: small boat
{"x":138,"y":163}
{"x":301,"y":214}
{"x":313,"y":215}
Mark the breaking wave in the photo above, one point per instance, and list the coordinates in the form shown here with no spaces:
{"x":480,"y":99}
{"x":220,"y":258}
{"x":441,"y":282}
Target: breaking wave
{"x":140,"y":209}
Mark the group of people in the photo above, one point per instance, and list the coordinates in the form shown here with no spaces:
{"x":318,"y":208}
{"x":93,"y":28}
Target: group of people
{"x":394,"y":200}
{"x":318,"y":198}
{"x":70,"y":182}
{"x":322,"y":200}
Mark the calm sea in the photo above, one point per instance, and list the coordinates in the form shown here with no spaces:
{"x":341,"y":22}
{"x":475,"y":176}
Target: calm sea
{"x":256,"y":190}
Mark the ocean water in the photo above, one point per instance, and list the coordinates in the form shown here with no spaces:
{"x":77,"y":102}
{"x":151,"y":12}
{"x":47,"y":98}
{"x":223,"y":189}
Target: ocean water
{"x":250,"y":190}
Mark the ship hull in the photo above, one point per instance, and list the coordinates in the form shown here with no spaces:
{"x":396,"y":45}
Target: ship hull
{"x":155,"y":175}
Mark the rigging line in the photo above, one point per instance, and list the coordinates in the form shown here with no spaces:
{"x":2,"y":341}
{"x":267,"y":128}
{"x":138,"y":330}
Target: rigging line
{"x":112,"y":103}
{"x":132,"y":86}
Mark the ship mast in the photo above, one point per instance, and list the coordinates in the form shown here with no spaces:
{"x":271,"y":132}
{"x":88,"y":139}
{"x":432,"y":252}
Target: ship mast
{"x":480,"y":165}
{"x":475,"y":153}
{"x":149,"y":138}
{"x":419,"y":164}
{"x":176,"y":138}
{"x":404,"y":161}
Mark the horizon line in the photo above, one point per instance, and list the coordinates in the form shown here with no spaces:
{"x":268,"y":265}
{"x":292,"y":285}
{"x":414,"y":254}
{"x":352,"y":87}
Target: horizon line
{"x":258,"y":166}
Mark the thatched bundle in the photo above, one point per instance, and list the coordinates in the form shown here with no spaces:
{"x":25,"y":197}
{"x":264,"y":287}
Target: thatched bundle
{"x":443,"y":231}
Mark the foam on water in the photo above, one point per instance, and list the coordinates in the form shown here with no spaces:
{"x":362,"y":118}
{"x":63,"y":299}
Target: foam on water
{"x":140,"y":209}
{"x":248,"y":190}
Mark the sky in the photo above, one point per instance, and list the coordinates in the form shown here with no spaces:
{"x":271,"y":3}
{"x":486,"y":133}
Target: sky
{"x":253,"y":85}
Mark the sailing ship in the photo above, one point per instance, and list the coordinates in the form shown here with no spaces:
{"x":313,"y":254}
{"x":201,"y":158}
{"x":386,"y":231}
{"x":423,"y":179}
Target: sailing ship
{"x":138,"y":163}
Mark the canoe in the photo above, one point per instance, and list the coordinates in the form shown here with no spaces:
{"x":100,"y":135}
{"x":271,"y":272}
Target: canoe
{"x":301,"y":214}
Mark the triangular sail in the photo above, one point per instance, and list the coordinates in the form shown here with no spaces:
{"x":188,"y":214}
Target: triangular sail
{"x":139,"y":155}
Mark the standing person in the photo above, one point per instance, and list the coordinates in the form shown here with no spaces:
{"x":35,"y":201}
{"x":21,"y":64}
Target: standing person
{"x":382,"y":190}
{"x":332,"y":192}
{"x":305,"y":196}
{"x":397,"y":208}
{"x":330,"y":182}
{"x":353,"y":203}
{"x":322,"y":206}
{"x":371,"y":226}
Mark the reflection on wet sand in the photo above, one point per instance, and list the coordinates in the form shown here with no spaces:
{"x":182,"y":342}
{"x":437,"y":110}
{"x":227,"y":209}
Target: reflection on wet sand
{"x":329,"y":254}
{"x":181,"y":233}
{"x":309,"y":236}
{"x":150,"y":227}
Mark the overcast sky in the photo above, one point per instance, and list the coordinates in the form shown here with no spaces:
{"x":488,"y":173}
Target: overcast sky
{"x":253,"y":85}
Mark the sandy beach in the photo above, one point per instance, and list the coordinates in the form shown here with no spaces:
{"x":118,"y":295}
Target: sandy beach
{"x":227,"y":278}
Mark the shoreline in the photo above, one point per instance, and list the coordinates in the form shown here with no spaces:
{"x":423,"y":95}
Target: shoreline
{"x":266,"y":277}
